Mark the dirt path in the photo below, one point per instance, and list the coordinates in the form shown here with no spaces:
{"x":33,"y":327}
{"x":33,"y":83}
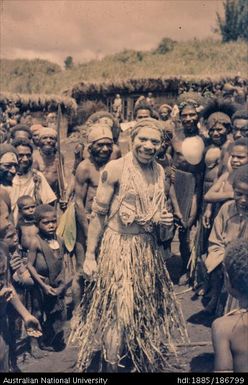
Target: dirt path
{"x":191,"y":359}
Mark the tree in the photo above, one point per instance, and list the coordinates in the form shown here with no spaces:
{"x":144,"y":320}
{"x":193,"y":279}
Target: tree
{"x":68,"y":62}
{"x":234,"y":25}
{"x":165,"y":45}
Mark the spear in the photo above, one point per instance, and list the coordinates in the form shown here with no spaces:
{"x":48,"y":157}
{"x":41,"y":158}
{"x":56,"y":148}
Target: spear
{"x":61,"y":175}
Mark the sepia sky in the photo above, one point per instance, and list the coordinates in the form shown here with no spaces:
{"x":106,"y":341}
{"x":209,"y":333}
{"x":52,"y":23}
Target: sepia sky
{"x":89,"y":29}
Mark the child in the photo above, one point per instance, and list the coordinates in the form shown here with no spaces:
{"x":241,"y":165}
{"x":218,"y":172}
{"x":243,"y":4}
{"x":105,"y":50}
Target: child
{"x":26,"y":223}
{"x":230,"y":223}
{"x":9,"y":296}
{"x":230,"y":333}
{"x":45,"y":261}
{"x":20,"y":278}
{"x":222,"y":189}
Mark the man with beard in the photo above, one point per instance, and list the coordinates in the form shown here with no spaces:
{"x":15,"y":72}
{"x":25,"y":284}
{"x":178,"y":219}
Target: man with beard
{"x":8,"y":168}
{"x":188,"y":148}
{"x":100,"y":146}
{"x":164,"y":112}
{"x":218,"y":123}
{"x":28,"y":181}
{"x":46,"y":159}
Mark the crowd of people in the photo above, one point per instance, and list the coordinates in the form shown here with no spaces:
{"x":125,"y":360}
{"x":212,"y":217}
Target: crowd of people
{"x":105,"y":241}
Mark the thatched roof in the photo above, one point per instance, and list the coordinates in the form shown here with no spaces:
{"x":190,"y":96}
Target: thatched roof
{"x":39,"y":102}
{"x":84,"y":90}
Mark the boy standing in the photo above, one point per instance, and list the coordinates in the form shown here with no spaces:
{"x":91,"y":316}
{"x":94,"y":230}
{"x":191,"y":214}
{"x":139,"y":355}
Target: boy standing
{"x":45,"y":262}
{"x":229,"y":333}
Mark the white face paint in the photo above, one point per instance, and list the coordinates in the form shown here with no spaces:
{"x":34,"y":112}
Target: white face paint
{"x":9,"y":157}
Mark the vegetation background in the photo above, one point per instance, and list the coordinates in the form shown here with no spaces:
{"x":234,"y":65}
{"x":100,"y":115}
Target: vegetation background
{"x":193,"y":59}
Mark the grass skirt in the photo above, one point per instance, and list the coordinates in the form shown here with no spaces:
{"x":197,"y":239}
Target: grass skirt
{"x":131,"y":308}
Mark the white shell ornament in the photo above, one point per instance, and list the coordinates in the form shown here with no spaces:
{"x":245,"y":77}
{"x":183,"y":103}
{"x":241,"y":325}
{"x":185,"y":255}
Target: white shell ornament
{"x":193,"y":149}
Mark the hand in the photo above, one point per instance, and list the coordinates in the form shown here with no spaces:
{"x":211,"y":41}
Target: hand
{"x":90,"y":266}
{"x":178,"y":220}
{"x":173,"y":174}
{"x":15,"y":262}
{"x":59,"y":290}
{"x":78,"y":150}
{"x":49,"y":290}
{"x":190,"y":222}
{"x":32,"y":326}
{"x":6,"y":293}
{"x":206,"y":219}
{"x":63,"y":204}
{"x":166,"y":218}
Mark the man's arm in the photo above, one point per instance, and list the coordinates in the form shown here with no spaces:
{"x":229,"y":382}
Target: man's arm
{"x":108,"y":180}
{"x":216,"y":247}
{"x":220,"y":337}
{"x":81,"y":187}
{"x":214,"y":194}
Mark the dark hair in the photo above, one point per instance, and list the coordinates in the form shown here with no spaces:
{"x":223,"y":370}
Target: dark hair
{"x":236,"y":264}
{"x":191,"y":104}
{"x":218,"y":105}
{"x":240,"y":175}
{"x":240,"y":114}
{"x":41,"y":211}
{"x":143,"y":106}
{"x":20,"y":127}
{"x":22,"y":200}
{"x":240,"y":142}
{"x":22,"y":142}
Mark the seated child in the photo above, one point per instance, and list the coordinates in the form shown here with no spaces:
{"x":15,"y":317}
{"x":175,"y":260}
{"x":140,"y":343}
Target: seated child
{"x":229,"y":333}
{"x":230,"y":223}
{"x":9,"y":296}
{"x":45,"y":262}
{"x":26,"y":223}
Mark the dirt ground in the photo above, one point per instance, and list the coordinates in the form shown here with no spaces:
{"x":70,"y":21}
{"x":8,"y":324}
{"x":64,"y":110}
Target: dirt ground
{"x":198,"y":358}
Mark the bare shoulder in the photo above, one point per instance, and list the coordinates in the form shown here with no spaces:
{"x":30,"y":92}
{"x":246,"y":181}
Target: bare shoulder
{"x":34,"y":244}
{"x":112,"y":171}
{"x":83,"y":169}
{"x":223,"y":326}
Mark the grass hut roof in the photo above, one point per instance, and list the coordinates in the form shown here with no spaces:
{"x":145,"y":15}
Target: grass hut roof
{"x":39,"y":102}
{"x":157,"y":85}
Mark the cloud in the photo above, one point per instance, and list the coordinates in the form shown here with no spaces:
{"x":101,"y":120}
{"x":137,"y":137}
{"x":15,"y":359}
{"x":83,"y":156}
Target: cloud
{"x":86,"y":29}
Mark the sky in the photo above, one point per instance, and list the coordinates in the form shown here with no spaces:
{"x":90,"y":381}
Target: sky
{"x":90,"y":29}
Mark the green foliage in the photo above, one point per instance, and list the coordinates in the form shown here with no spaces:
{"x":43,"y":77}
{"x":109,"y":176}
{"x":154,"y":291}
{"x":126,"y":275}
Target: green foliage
{"x":234,"y":25}
{"x":166,"y":45}
{"x":68,"y":62}
{"x":197,"y":58}
{"x":129,"y":56}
